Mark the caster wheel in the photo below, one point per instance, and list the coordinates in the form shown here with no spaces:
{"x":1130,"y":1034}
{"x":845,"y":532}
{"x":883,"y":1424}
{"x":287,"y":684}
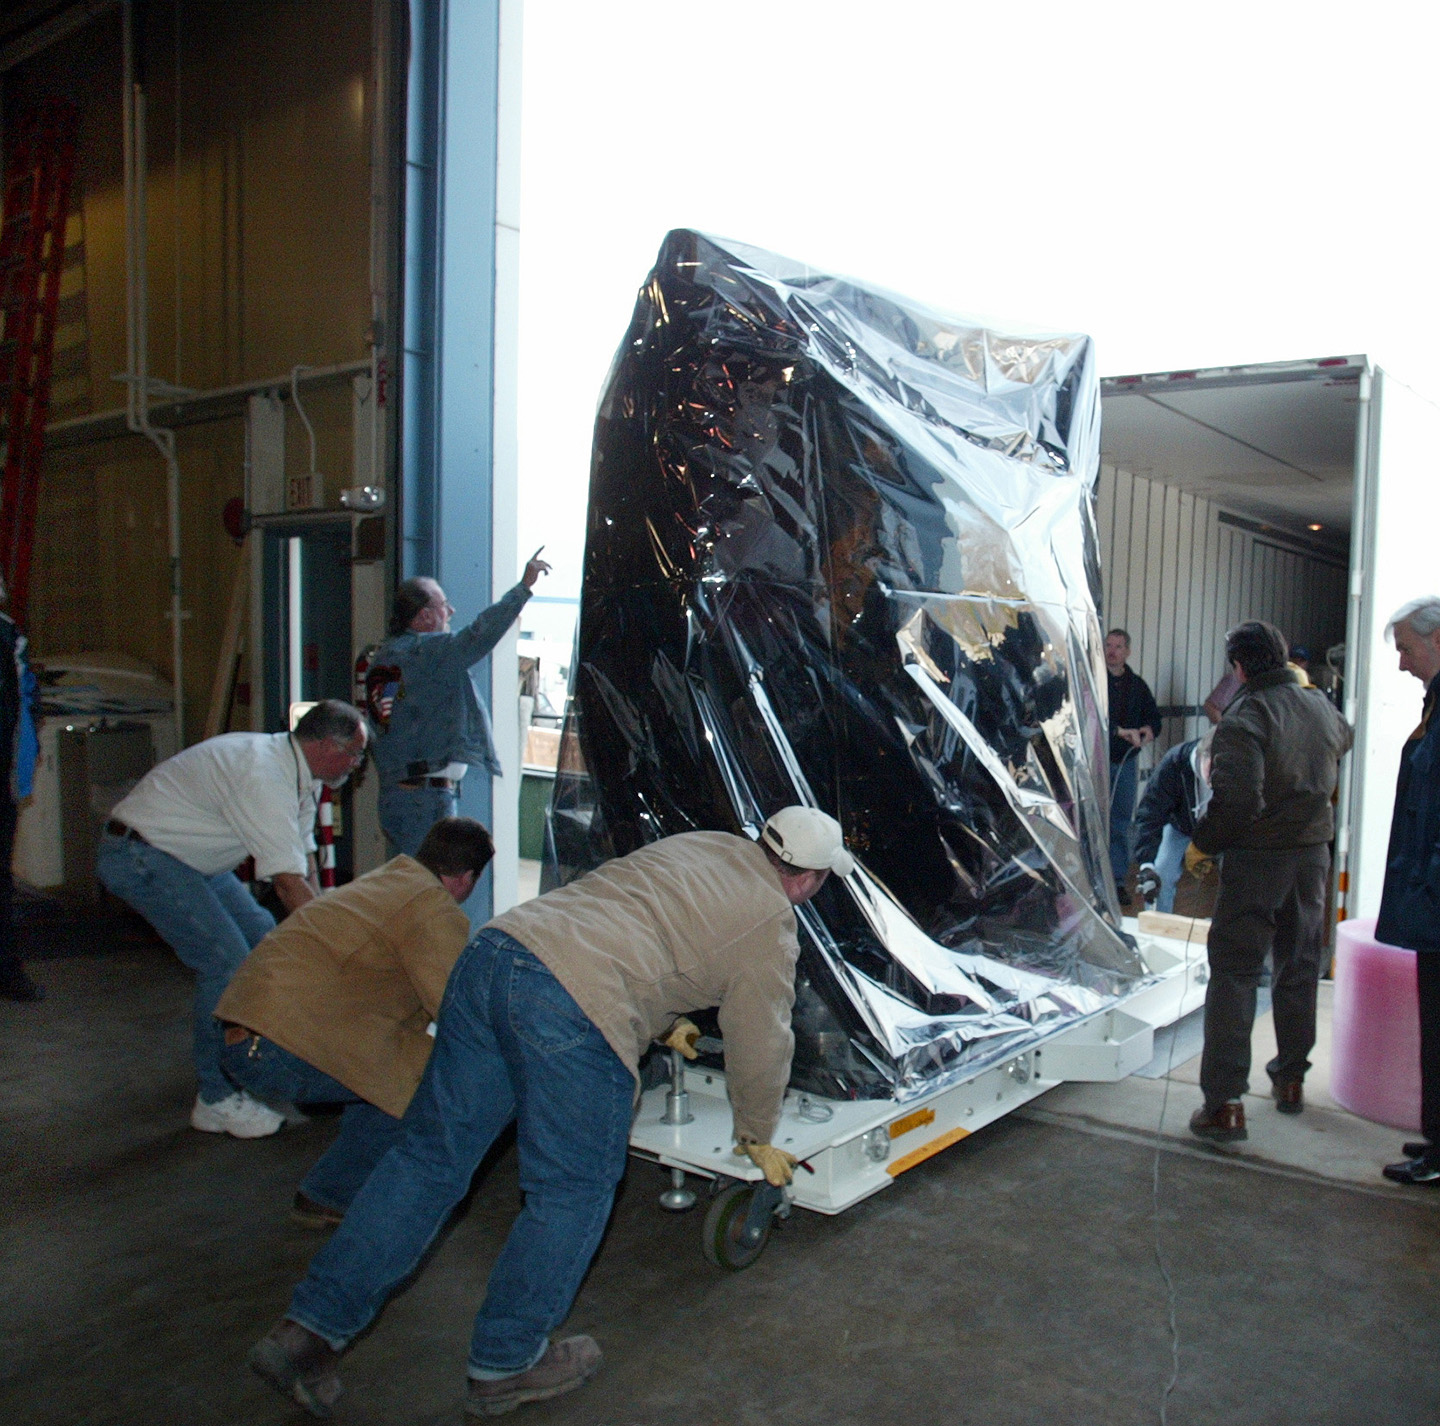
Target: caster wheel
{"x":723,"y":1236}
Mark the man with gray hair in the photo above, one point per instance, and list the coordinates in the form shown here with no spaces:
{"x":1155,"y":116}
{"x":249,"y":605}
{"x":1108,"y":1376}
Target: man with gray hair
{"x":545,"y":1018}
{"x":1273,"y":771}
{"x":429,"y":716}
{"x":1410,"y":901}
{"x":171,"y":847}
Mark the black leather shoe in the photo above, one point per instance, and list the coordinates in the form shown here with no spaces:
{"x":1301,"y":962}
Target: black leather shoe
{"x":1416,"y":1149}
{"x":1289,"y":1095}
{"x":1221,"y":1123}
{"x":1413,"y":1171}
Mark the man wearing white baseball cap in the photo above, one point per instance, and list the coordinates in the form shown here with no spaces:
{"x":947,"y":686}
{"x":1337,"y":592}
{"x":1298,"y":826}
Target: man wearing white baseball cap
{"x":805,"y":837}
{"x":544,"y":1021}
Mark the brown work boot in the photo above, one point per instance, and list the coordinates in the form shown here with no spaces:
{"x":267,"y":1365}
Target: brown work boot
{"x":298,"y":1364}
{"x":1289,"y":1095}
{"x":1221,"y":1123}
{"x":564,"y":1366}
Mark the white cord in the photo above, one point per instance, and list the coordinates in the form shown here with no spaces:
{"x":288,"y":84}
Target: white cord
{"x":300,"y":410}
{"x":1133,"y":753}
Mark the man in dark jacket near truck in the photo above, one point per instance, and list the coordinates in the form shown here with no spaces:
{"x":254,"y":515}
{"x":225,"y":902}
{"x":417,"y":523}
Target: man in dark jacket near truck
{"x":1410,"y":901}
{"x":1274,"y":768}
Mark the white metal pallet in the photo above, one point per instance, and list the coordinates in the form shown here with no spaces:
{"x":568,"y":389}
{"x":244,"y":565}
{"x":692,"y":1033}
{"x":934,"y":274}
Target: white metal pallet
{"x":858,"y":1147}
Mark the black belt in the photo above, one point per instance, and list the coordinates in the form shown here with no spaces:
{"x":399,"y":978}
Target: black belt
{"x":445,"y":782}
{"x":120,"y":829}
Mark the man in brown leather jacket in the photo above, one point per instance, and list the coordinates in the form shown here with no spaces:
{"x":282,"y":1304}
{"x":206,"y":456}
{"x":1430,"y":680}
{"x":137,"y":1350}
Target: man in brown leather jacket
{"x":1274,"y":769}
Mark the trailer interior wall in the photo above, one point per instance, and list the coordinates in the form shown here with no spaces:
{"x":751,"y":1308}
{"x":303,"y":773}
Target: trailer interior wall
{"x":1179,"y":570}
{"x":1211,"y":489}
{"x":1225,"y":495}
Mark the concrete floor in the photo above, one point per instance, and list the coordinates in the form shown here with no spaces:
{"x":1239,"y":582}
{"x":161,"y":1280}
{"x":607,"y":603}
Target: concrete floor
{"x":1011,"y":1279}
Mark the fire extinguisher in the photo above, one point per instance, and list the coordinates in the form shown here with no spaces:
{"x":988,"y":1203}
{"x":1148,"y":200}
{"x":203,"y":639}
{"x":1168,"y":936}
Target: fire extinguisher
{"x":362,"y":669}
{"x":325,"y":839}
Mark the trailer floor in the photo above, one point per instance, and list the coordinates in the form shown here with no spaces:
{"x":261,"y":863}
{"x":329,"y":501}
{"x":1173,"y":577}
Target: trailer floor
{"x":1010,"y":1279}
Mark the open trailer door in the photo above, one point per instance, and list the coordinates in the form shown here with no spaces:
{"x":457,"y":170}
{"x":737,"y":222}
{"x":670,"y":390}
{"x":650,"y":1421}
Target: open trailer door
{"x":1393,"y":559}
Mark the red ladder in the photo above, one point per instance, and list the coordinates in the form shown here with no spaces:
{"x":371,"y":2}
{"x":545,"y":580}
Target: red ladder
{"x":32,"y":256}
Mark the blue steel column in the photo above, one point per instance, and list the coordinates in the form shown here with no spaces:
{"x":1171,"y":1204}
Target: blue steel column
{"x":419,"y":369}
{"x":447,"y":381}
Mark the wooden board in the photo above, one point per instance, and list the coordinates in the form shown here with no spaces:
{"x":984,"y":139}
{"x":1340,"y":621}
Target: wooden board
{"x":1193,"y":929}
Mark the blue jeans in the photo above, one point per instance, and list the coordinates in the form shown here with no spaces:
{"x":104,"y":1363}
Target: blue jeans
{"x":211,"y":922}
{"x":269,"y":1071}
{"x":1123,"y":780}
{"x":407,"y":813}
{"x":511,"y":1044}
{"x":1170,"y":862}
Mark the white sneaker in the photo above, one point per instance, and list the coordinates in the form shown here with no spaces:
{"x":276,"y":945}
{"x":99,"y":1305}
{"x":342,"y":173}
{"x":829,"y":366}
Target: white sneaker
{"x":239,"y":1115}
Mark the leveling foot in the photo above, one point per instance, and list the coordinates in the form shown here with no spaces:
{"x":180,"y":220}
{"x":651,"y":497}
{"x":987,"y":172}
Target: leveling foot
{"x":677,"y":1198}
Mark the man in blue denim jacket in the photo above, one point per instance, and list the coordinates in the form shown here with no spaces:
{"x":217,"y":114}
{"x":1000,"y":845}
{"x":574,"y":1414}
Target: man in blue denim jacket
{"x":430,"y":721}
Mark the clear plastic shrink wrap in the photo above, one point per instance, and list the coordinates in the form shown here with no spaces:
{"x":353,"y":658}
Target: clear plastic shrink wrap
{"x":841,"y":551}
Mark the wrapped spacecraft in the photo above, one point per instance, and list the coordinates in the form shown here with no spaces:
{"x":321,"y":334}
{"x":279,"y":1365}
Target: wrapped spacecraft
{"x":841,"y":551}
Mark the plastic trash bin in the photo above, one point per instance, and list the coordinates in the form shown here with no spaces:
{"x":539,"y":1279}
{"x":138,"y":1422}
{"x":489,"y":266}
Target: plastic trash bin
{"x":1375,"y":1064}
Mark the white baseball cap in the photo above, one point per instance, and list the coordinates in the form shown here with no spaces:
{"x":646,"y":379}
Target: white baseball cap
{"x":808,"y":838}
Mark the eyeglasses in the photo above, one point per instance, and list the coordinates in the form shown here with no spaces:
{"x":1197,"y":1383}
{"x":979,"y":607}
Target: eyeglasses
{"x":356,"y":756}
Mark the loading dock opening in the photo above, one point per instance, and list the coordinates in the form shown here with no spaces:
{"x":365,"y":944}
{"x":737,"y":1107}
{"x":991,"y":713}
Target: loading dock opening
{"x":1300,"y":492}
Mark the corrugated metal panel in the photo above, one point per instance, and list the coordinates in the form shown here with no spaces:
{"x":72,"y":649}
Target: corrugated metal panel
{"x":1177,"y":577}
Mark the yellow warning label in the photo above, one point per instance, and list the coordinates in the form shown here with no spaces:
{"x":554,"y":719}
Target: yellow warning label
{"x":917,"y":1120}
{"x":919,"y":1156}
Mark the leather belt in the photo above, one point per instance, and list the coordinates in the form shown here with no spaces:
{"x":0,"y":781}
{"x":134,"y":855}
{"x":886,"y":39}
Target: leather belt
{"x":445,"y":782}
{"x":117,"y":828}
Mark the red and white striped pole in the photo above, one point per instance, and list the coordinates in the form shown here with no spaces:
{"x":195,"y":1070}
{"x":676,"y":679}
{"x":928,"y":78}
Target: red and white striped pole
{"x":325,"y":840}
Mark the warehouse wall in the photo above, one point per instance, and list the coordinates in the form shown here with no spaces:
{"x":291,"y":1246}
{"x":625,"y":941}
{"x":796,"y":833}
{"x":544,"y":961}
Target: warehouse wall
{"x":1177,"y":576}
{"x":259,"y":248}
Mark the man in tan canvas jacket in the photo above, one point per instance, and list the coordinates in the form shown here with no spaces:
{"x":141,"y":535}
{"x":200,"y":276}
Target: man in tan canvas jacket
{"x":544,"y":1021}
{"x":334,"y":1005}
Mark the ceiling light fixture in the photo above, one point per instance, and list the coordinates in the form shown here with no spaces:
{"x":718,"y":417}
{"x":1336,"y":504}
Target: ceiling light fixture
{"x":1315,"y":527}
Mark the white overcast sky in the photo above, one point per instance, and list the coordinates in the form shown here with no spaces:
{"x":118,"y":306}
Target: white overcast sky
{"x":1191,"y":184}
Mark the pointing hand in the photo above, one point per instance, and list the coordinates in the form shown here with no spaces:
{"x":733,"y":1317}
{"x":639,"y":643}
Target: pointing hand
{"x":534,"y":568}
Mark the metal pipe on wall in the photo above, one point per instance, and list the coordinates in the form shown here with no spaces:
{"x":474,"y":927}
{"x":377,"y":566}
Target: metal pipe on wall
{"x":137,"y":343}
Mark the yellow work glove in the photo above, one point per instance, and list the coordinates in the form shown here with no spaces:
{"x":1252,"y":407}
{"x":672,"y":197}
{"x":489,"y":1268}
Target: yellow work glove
{"x":682,"y":1037}
{"x":1197,"y":863}
{"x":777,"y":1166}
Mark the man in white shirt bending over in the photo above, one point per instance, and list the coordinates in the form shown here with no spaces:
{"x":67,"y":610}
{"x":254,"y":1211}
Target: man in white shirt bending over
{"x":171,"y":848}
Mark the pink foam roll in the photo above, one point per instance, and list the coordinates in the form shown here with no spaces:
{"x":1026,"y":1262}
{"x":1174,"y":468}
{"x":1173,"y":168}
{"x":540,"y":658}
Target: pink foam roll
{"x":1375,"y":1055}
